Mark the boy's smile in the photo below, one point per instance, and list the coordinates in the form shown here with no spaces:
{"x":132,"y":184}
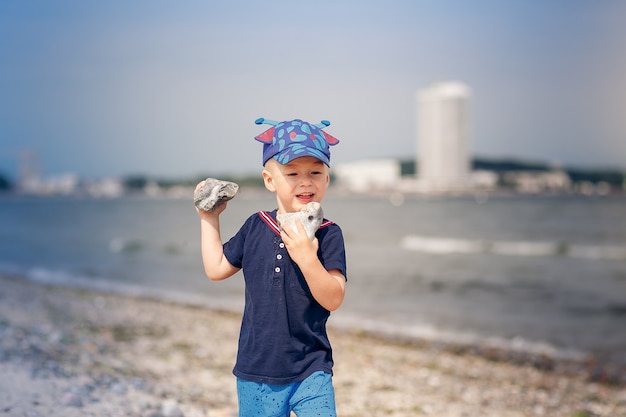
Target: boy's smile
{"x":305,"y":198}
{"x":296,"y":183}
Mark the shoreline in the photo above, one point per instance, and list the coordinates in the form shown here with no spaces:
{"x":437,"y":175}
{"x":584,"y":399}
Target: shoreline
{"x":516,"y":350}
{"x":76,"y":351}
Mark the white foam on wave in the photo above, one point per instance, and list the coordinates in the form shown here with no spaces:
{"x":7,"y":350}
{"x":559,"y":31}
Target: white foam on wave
{"x":62,"y":278}
{"x":522,"y":248}
{"x":442,"y":245}
{"x":445,"y":246}
{"x":597,"y":252}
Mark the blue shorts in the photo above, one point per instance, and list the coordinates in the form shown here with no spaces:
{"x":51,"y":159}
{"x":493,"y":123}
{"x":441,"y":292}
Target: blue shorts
{"x":315,"y":396}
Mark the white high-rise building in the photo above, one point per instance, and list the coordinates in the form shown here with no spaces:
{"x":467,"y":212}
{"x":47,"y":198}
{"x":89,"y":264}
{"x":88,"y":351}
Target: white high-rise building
{"x":443,"y":162}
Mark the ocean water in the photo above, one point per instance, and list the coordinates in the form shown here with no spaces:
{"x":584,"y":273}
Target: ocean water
{"x":544,"y":274}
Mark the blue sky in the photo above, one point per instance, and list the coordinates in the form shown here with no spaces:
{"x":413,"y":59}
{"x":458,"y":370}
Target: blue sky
{"x":173,"y":88}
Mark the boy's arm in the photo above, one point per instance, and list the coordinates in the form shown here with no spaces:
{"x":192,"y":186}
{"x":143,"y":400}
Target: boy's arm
{"x":216,"y":266}
{"x":328,"y":287}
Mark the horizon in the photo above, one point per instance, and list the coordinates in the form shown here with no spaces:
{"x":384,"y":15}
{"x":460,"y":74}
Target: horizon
{"x":247,"y":175}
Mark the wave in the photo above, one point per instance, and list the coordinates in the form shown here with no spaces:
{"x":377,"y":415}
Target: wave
{"x":342,"y":320}
{"x":425,"y":332}
{"x":128,"y":246}
{"x":125,"y":245}
{"x":61,"y":278}
{"x":444,"y":246}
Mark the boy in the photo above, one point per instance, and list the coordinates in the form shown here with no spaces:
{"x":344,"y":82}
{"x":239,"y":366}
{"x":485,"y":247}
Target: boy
{"x":284,"y":360}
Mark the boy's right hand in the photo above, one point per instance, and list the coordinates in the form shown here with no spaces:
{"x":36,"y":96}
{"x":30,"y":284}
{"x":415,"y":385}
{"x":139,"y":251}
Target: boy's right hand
{"x":209,"y":214}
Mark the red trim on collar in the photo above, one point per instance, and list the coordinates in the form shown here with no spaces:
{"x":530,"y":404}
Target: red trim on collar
{"x":269,"y":220}
{"x":325,"y":223}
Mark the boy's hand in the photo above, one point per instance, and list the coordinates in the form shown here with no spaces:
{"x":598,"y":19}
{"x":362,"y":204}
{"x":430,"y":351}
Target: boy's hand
{"x":206,"y":215}
{"x":327,"y":287}
{"x":301,"y":249}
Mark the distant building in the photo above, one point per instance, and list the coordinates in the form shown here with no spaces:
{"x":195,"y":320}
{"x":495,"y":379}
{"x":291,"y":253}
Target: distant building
{"x":368,"y":175}
{"x":65,"y":184}
{"x":483,"y":180}
{"x":106,"y":188}
{"x":443,"y":137}
{"x":538,"y":182}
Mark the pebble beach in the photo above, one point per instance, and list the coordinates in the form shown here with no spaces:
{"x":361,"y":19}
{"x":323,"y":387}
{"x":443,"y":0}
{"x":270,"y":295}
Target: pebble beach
{"x":74,"y":352}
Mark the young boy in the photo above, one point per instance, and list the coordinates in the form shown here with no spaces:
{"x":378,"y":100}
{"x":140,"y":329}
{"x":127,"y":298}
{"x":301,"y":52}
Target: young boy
{"x":284,"y":360}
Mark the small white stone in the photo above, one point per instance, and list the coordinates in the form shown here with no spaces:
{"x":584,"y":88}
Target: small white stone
{"x":171,"y":409}
{"x":310,"y":215}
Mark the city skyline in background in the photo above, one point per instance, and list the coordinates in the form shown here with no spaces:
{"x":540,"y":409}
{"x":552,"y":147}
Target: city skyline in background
{"x":173,"y":89}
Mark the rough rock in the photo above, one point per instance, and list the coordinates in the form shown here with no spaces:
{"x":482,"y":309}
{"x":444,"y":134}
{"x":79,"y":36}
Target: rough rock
{"x":213,"y":193}
{"x":310,"y":215}
{"x":71,"y":399}
{"x":171,"y":409}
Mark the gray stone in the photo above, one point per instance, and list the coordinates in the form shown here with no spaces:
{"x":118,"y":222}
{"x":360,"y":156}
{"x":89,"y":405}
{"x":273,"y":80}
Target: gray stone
{"x":310,"y":215}
{"x":119,"y":388}
{"x":213,"y":193}
{"x":171,"y":409}
{"x":70,"y":399}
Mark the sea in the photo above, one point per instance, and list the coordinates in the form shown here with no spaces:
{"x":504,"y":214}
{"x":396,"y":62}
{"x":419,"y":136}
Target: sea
{"x":534,"y":274}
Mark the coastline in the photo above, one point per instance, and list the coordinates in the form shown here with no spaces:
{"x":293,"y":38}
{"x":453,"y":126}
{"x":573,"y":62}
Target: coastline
{"x":75,"y":352}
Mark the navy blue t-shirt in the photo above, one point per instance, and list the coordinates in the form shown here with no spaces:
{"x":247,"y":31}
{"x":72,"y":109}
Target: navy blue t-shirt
{"x":283,"y":331}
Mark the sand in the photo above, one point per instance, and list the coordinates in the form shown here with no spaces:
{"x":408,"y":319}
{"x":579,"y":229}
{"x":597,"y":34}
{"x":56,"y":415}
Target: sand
{"x":70,"y":352}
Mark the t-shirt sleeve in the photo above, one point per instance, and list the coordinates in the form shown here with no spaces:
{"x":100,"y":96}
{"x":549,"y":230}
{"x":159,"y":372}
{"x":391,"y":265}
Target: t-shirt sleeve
{"x":234,"y":248}
{"x":332,"y":251}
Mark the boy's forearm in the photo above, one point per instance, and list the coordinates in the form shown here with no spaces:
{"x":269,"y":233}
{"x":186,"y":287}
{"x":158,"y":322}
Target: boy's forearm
{"x":327,"y":287}
{"x":216,"y":266}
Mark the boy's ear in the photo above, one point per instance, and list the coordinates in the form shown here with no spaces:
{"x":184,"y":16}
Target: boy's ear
{"x":268,"y":180}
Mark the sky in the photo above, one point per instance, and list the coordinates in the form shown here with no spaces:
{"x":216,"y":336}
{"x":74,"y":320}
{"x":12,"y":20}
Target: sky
{"x":172,"y":89}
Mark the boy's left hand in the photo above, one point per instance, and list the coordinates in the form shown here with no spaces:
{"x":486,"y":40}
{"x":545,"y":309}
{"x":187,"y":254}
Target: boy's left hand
{"x":301,"y":249}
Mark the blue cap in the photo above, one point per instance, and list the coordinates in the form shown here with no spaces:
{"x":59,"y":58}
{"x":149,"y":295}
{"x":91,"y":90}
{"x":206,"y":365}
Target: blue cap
{"x":288,"y":140}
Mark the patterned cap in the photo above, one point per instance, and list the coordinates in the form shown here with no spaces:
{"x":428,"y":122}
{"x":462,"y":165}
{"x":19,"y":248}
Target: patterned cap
{"x":288,"y":140}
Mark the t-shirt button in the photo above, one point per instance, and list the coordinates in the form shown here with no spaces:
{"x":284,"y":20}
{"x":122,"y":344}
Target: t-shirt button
{"x":282,"y":245}
{"x":277,"y":269}
{"x":279,"y":256}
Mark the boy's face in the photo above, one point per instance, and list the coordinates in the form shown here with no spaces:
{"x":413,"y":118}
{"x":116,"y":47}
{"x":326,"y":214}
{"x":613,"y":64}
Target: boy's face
{"x":296,"y":183}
